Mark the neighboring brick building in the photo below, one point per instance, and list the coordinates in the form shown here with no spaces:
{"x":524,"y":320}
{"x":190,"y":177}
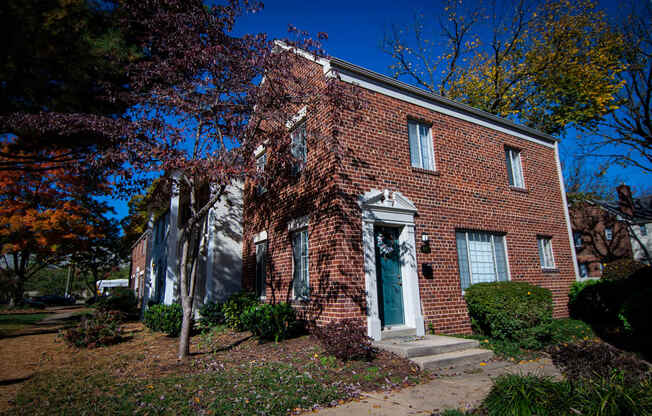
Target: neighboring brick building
{"x":416,"y":198}
{"x":138,"y":265}
{"x":604,"y":231}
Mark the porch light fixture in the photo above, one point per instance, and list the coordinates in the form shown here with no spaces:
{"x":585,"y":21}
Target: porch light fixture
{"x":424,"y":237}
{"x":425,"y":247}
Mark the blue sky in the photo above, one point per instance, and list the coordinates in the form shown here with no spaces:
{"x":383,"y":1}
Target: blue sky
{"x":355,"y":30}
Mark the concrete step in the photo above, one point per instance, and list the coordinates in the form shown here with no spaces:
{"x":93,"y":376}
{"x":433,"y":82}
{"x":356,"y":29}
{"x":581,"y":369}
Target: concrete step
{"x":453,"y":359}
{"x":397,"y":333}
{"x":425,"y":346}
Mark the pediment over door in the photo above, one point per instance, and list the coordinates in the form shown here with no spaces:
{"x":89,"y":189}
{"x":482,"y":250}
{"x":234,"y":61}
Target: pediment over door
{"x":387,"y":206}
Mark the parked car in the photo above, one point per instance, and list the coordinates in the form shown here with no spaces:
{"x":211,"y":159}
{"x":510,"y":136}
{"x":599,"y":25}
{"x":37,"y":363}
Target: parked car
{"x":56,"y":300}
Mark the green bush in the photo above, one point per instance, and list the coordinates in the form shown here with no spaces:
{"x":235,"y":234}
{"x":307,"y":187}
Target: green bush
{"x":515,"y":311}
{"x":122,"y":299}
{"x":613,"y":396}
{"x":164,"y":318}
{"x":100,"y":329}
{"x":527,"y":395}
{"x":621,"y":269}
{"x":234,"y":306}
{"x":211,"y":315}
{"x":270,"y":321}
{"x":636,"y":312}
{"x":574,"y":292}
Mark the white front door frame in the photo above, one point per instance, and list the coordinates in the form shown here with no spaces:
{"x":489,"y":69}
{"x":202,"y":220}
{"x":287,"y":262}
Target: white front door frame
{"x":393,"y":209}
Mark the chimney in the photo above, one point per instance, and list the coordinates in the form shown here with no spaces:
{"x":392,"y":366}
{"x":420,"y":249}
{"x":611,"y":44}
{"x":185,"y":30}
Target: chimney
{"x":625,"y":202}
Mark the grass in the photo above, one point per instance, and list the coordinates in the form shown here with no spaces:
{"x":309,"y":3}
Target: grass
{"x":564,"y":330}
{"x":14,"y":322}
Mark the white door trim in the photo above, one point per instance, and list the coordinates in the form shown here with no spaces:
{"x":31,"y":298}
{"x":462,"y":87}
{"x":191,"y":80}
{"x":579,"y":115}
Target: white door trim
{"x":391,"y":208}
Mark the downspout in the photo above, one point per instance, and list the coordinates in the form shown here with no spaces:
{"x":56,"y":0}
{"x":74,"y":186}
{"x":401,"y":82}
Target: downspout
{"x":569,"y":229}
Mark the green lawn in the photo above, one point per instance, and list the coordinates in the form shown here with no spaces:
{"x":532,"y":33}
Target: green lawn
{"x":17,"y":321}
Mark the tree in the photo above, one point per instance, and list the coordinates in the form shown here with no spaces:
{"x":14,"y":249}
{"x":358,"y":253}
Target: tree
{"x":63,"y":83}
{"x":41,"y":221}
{"x":625,"y":137}
{"x":547,"y":64}
{"x":210,"y":98}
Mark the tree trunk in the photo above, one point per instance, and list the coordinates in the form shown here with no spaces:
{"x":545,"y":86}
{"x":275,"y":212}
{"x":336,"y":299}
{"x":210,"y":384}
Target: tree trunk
{"x":16,"y":296}
{"x":186,"y":302}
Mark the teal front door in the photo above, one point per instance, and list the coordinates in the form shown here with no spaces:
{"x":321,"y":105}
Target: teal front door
{"x":388,"y":274}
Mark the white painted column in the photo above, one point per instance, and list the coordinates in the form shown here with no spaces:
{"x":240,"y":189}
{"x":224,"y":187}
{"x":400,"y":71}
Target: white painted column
{"x":562,"y":187}
{"x":373,"y":316}
{"x":410,"y":277}
{"x":150,"y":278}
{"x":171,"y":275}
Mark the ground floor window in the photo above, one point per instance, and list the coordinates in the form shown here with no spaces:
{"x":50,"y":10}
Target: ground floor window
{"x":300,"y":264}
{"x":261,"y":268}
{"x":584,"y":270}
{"x":481,"y":256}
{"x":545,"y":253}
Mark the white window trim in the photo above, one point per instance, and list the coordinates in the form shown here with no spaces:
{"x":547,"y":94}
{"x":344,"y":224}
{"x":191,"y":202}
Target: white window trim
{"x":513,"y":151}
{"x":294,"y":295}
{"x":610,"y":235}
{"x":260,"y":237}
{"x":493,"y":250}
{"x":298,"y":223}
{"x":431,"y":146}
{"x":543,"y":251}
{"x":297,"y":119}
{"x":261,"y":241}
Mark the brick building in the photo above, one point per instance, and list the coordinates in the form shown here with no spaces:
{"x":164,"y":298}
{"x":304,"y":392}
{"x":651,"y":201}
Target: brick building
{"x":415,"y":199}
{"x":604,"y":231}
{"x":138,"y":264}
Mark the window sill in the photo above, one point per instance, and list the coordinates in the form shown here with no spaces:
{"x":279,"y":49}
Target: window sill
{"x":518,"y":189}
{"x":426,"y":171}
{"x":553,"y":270}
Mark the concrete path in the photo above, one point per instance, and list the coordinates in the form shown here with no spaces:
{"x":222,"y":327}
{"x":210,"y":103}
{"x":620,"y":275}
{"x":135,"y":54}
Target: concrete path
{"x":462,"y":390}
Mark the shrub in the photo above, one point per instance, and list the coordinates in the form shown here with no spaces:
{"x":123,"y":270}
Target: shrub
{"x":164,"y":318}
{"x":574,"y":292}
{"x":98,"y":330}
{"x":346,"y":340}
{"x":271,"y":321}
{"x":613,"y":396}
{"x":211,"y":315}
{"x":636,"y":312}
{"x":527,"y":395}
{"x":596,"y":360}
{"x":234,"y":306}
{"x":122,"y":299}
{"x":515,"y":311}
{"x":621,"y":269}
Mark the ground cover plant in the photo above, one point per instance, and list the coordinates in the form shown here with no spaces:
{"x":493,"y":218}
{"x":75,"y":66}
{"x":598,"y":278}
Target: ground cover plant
{"x":164,"y":318}
{"x":238,"y":375}
{"x":98,"y":330}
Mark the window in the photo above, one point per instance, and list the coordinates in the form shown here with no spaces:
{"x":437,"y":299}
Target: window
{"x":608,"y":234}
{"x":545,"y":253}
{"x":300,"y":264}
{"x":482,"y":257}
{"x":299,"y":149}
{"x":261,"y":161}
{"x":584,"y":270}
{"x":514,"y":168}
{"x":421,"y":153}
{"x":261,"y":268}
{"x":577,"y":238}
{"x":643,"y":230}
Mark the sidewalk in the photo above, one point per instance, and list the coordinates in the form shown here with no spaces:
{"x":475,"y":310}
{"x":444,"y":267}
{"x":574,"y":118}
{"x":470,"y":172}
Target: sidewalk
{"x":459,"y":391}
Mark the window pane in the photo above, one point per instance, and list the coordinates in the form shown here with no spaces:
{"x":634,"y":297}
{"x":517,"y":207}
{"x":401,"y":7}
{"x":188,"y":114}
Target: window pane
{"x":508,"y":160}
{"x":415,"y":149}
{"x":501,"y":262}
{"x":518,"y":171}
{"x":481,"y":258}
{"x":463,"y":259}
{"x":424,"y":137}
{"x":261,"y":262}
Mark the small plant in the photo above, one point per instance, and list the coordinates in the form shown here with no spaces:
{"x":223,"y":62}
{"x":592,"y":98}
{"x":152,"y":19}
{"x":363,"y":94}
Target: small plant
{"x":597,"y":360}
{"x":209,"y":339}
{"x":234,"y":306}
{"x":515,"y":311}
{"x":516,"y":395}
{"x":164,"y":318}
{"x":271,"y":321}
{"x":211,"y":315}
{"x":98,"y":330}
{"x":346,"y":340}
{"x":613,"y":396}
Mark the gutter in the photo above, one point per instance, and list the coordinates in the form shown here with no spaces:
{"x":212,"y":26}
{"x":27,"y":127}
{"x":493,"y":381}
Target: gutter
{"x":445,"y":102}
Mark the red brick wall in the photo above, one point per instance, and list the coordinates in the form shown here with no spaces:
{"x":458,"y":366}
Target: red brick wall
{"x":138,"y":263}
{"x":469,"y":190}
{"x":591,"y":221}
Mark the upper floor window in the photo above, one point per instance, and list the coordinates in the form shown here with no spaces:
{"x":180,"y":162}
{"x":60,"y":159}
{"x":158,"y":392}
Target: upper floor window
{"x":514,"y":167}
{"x":421,"y":152}
{"x":481,"y":256}
{"x":643,"y":229}
{"x":577,"y":238}
{"x":608,"y":233}
{"x":299,"y":148}
{"x":261,"y":268}
{"x":545,"y":253}
{"x":300,"y":278}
